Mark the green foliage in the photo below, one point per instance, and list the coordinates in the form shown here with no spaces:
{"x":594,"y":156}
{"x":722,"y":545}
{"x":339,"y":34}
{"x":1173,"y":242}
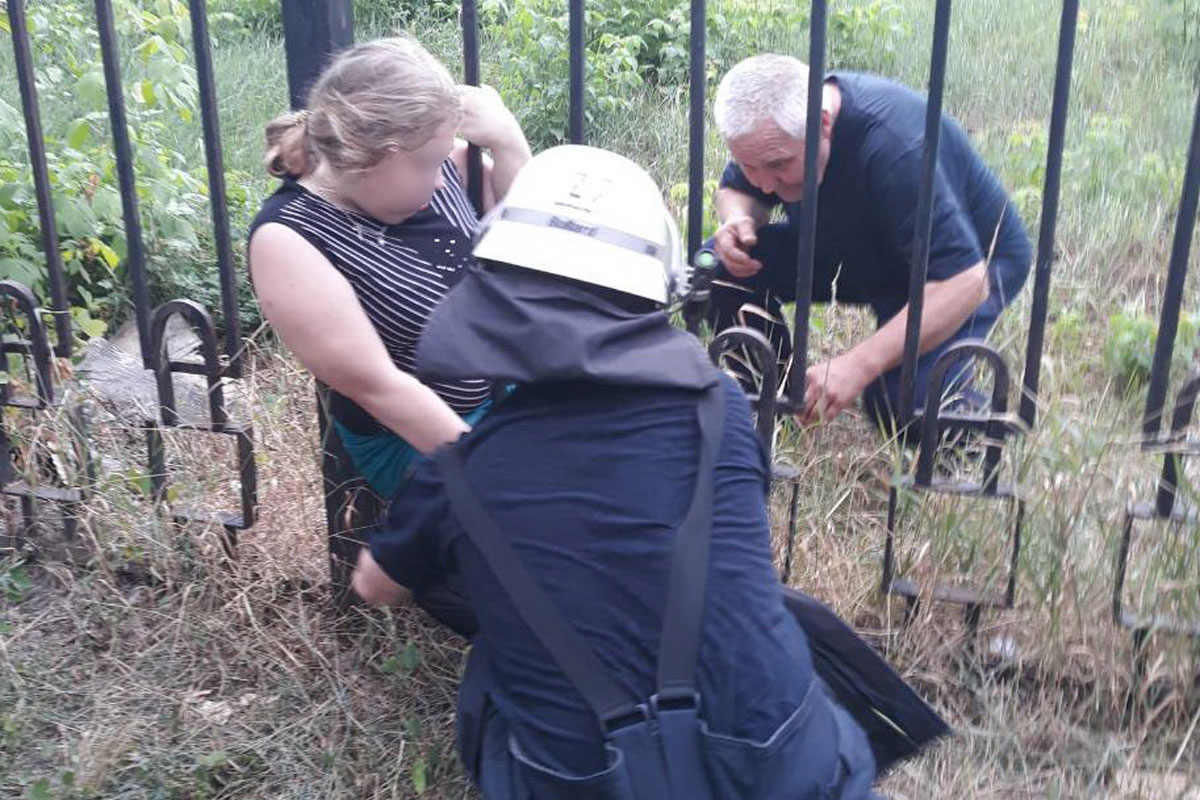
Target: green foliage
{"x":529,"y":38}
{"x":1097,"y":165}
{"x":865,"y":35}
{"x":632,"y":47}
{"x":14,"y":582}
{"x":160,"y":96}
{"x":678,"y":198}
{"x":250,"y":17}
{"x":264,"y":18}
{"x":64,"y":788}
{"x":1129,"y":350}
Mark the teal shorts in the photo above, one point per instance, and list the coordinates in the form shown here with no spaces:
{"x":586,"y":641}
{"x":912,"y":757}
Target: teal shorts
{"x":385,"y":460}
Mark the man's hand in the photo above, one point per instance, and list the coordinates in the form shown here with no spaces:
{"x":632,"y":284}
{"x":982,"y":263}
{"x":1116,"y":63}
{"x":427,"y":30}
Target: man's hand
{"x":733,"y":241}
{"x":832,"y":386}
{"x":373,"y":585}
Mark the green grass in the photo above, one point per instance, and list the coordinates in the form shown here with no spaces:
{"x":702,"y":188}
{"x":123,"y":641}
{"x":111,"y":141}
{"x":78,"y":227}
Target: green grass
{"x":135,"y":664}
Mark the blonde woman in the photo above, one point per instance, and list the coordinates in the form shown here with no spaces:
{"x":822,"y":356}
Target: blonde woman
{"x":368,"y":230}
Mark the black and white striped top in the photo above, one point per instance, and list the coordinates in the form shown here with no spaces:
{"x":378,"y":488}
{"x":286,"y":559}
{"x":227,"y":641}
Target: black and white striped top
{"x":399,"y":272}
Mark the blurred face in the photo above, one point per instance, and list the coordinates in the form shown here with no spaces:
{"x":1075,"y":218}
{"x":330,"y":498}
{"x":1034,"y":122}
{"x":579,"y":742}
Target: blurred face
{"x":773,"y":160}
{"x":402,"y":183}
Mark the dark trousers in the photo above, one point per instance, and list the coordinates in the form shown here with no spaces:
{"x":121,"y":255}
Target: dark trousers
{"x":775,"y":284}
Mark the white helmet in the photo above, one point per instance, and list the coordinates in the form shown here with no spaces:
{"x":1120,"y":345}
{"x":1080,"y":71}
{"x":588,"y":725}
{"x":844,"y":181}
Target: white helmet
{"x":589,"y":215}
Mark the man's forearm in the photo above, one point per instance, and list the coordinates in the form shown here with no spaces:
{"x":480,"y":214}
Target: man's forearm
{"x":731,"y":203}
{"x":373,"y":585}
{"x":948,"y":304}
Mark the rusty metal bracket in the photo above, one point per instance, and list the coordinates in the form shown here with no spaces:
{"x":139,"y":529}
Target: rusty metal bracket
{"x":33,"y":343}
{"x":164,"y":367}
{"x":996,"y":426}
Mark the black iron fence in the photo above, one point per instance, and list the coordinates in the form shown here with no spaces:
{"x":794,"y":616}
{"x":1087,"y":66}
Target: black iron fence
{"x":314,"y":29}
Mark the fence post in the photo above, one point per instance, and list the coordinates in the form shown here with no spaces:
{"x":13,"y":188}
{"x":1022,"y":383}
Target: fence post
{"x":1045,"y":250}
{"x":807,"y":247}
{"x":312,"y":31}
{"x":1173,"y":296}
{"x":577,"y":66}
{"x":920,"y":262}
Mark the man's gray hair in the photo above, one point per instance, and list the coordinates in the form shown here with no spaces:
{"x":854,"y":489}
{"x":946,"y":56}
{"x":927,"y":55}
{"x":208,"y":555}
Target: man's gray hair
{"x":760,"y":88}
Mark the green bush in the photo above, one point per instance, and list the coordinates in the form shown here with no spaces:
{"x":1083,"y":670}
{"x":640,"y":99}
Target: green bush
{"x":160,"y":95}
{"x":1096,"y":165}
{"x":265,"y":17}
{"x":250,"y":17}
{"x":864,"y":35}
{"x":633,"y":47}
{"x":529,"y":40}
{"x":1129,"y":351}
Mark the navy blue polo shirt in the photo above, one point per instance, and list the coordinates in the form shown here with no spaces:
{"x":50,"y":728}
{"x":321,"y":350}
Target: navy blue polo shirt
{"x":591,"y":483}
{"x":867,"y":202}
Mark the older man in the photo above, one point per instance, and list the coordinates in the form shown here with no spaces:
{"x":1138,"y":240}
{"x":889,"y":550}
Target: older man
{"x":869,"y":168}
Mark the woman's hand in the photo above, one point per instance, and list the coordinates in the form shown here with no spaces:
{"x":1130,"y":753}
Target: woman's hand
{"x":486,"y":121}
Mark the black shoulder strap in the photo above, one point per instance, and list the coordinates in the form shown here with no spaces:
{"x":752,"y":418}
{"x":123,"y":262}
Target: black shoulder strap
{"x":684,"y":615}
{"x":568,"y":649}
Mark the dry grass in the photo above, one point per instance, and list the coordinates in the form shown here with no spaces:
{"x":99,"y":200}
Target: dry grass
{"x":140,"y":663}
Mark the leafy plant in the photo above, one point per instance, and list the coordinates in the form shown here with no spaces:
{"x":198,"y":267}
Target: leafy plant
{"x":14,"y":582}
{"x":160,"y":94}
{"x":631,"y":47}
{"x":1096,"y":165}
{"x":1129,"y":351}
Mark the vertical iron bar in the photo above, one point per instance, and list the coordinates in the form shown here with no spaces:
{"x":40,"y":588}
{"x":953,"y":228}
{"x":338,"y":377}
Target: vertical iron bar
{"x":28,"y":517}
{"x":1168,"y":485}
{"x":248,"y":477}
{"x":889,"y":542}
{"x":1050,"y":193}
{"x":157,"y":458}
{"x":1010,"y":590}
{"x":470,"y":37}
{"x":789,"y":554}
{"x":1181,"y":419}
{"x":922,"y":230}
{"x":808,"y":218}
{"x":575,"y":24}
{"x":8,"y":473}
{"x":1122,"y":565}
{"x":343,"y":497}
{"x":135,"y":258}
{"x":215,"y":161}
{"x":313,"y":30}
{"x":1168,"y":324}
{"x":41,"y":177}
{"x":695,"y":218}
